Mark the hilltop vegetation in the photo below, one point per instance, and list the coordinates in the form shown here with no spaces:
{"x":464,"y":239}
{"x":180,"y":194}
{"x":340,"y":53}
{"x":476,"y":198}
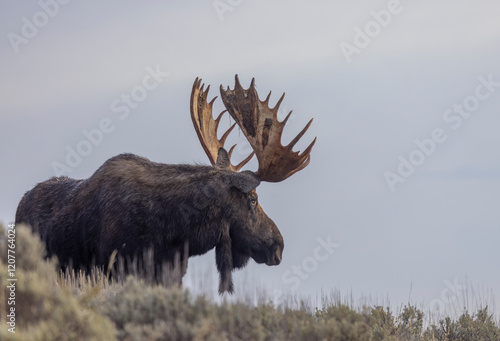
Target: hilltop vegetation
{"x":50,"y":306}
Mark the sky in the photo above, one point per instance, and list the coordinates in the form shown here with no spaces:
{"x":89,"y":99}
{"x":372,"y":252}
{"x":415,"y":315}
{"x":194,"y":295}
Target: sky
{"x":400,"y":200}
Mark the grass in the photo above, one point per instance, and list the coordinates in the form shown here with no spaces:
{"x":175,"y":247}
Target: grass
{"x":52,"y":306}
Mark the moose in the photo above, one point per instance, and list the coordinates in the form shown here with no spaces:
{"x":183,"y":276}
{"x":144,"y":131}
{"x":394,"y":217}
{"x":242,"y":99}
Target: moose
{"x":131,"y":204}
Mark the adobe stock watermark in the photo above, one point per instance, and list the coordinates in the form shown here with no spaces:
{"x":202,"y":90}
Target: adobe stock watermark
{"x":453,"y":119}
{"x":12,"y":278}
{"x":123,"y":105}
{"x":452,"y":295}
{"x":32,"y":24}
{"x":298,"y":273}
{"x":225,"y":6}
{"x":372,"y":29}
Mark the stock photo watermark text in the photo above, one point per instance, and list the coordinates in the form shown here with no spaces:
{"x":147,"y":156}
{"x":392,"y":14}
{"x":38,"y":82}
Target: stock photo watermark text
{"x":225,"y":6}
{"x":298,"y":273}
{"x":453,"y":119}
{"x":32,"y":25}
{"x":11,"y":279}
{"x":372,"y":29}
{"x":123,"y":105}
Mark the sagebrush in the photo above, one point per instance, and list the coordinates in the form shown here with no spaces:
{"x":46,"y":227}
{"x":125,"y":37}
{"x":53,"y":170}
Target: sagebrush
{"x":52,"y":306}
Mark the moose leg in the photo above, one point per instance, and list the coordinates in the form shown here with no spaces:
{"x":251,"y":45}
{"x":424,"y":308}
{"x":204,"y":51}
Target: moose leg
{"x":224,"y":261}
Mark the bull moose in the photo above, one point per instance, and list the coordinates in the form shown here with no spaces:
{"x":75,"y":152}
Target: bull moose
{"x":131,"y":204}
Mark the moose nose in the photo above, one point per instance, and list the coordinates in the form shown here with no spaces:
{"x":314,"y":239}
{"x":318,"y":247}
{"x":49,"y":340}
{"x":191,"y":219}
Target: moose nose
{"x":275,"y":259}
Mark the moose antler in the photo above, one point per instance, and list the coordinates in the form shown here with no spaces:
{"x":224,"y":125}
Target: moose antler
{"x":206,"y":126}
{"x":261,"y":127}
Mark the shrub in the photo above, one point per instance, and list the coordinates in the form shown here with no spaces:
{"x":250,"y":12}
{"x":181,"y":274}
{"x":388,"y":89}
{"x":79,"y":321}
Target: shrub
{"x":44,"y":311}
{"x":466,"y":328}
{"x":74,"y":306}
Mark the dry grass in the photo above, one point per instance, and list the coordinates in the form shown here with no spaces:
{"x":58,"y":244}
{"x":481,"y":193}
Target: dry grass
{"x":74,"y":306}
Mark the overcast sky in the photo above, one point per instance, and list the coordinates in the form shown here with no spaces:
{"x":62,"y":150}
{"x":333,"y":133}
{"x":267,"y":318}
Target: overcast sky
{"x":404,"y":180}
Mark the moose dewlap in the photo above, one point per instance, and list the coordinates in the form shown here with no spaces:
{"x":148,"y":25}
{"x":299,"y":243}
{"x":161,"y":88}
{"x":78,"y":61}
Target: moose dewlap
{"x":131,"y":204}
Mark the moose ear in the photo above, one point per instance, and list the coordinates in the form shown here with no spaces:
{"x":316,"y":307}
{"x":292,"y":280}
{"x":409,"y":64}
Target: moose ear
{"x":222,"y":159}
{"x":245,"y":181}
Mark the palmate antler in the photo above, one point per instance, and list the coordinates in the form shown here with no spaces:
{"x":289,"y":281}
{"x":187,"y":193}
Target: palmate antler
{"x":263,"y":131}
{"x":259,"y":124}
{"x":206,"y":126}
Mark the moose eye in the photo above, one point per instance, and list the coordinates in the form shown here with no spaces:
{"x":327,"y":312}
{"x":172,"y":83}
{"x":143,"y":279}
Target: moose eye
{"x":253,"y":202}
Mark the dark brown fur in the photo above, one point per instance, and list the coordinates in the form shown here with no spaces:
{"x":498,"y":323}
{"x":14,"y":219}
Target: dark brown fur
{"x":131,"y":204}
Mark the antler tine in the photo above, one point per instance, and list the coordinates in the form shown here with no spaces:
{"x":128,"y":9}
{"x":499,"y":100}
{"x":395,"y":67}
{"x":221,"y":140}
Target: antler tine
{"x":299,"y":135}
{"x":277,"y":106}
{"x":217,"y":121}
{"x":307,"y":151}
{"x":206,"y":127}
{"x":267,"y":98}
{"x":260,"y":125}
